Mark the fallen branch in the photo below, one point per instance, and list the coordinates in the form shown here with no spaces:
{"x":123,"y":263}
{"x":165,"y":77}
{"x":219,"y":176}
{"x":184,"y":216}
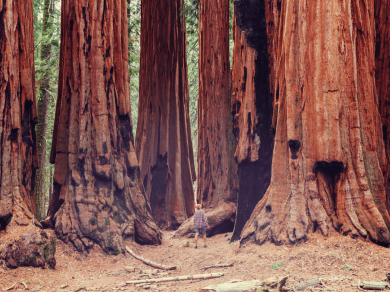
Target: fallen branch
{"x":179,"y":278}
{"x":24,"y":284}
{"x":374,"y":285}
{"x":217,"y":266}
{"x":359,"y":286}
{"x":150,"y":263}
{"x":271,"y":285}
{"x":9,"y":288}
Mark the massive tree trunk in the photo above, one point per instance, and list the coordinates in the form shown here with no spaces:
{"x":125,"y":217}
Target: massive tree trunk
{"x":97,"y":196}
{"x":252,"y":108}
{"x":382,"y":62}
{"x":163,"y":138}
{"x":217,"y":170}
{"x":329,"y":151}
{"x":20,"y":238}
{"x":40,"y":188}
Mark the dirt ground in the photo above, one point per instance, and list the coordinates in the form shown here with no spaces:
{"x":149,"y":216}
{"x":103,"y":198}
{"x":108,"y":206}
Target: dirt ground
{"x":340,"y":261}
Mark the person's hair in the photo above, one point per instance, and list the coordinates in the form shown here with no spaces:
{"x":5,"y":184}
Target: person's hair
{"x":198,"y":206}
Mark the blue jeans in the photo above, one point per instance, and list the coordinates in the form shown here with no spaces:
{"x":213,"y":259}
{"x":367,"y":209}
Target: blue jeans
{"x":203,"y":230}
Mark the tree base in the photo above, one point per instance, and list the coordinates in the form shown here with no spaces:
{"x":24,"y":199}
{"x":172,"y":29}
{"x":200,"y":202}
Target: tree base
{"x":328,"y":203}
{"x":217,"y":219}
{"x":25,"y":244}
{"x":111,"y":239}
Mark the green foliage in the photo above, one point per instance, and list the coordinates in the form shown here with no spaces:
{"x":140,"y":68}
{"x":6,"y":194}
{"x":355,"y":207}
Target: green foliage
{"x":190,"y":14}
{"x":346,"y":267}
{"x":134,"y":21}
{"x":276,"y":266}
{"x":231,"y":42}
{"x":48,"y":67}
{"x":49,"y":249}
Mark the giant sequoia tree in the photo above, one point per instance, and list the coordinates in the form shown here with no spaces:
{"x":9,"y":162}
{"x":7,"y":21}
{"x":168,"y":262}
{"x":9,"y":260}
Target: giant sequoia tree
{"x":215,"y":166}
{"x":97,"y":196}
{"x":251,"y":108}
{"x":163,"y":138}
{"x":216,"y":185}
{"x":18,"y":115}
{"x":329,"y":152}
{"x":382,"y":62}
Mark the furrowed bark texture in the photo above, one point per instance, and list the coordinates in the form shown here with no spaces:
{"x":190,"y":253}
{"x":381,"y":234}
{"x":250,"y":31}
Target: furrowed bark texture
{"x":251,"y":108}
{"x":217,"y":170}
{"x":163,"y":138}
{"x":18,"y":115}
{"x":40,"y":188}
{"x":382,"y":62}
{"x":97,"y":195}
{"x":329,"y":153}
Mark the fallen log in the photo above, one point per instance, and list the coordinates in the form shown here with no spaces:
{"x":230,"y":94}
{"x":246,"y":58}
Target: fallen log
{"x":374,"y":285}
{"x":150,"y":263}
{"x":179,"y":278}
{"x":270,"y":285}
{"x":216,"y":266}
{"x":215,"y":217}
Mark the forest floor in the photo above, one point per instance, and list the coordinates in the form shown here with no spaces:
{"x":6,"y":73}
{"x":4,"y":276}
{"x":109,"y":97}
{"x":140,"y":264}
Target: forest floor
{"x":340,"y":261}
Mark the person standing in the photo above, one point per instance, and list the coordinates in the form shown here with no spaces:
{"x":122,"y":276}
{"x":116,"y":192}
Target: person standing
{"x":200,"y":222}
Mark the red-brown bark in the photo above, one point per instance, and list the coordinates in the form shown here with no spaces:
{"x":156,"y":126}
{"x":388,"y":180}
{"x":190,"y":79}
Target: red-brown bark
{"x":382,"y":62}
{"x":19,"y":234}
{"x":97,"y":196}
{"x":217,"y":170}
{"x":329,"y":153}
{"x":252,"y":108}
{"x":163,"y":138}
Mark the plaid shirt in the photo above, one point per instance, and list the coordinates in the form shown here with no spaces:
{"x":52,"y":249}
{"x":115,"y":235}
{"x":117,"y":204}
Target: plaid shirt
{"x":200,"y":219}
